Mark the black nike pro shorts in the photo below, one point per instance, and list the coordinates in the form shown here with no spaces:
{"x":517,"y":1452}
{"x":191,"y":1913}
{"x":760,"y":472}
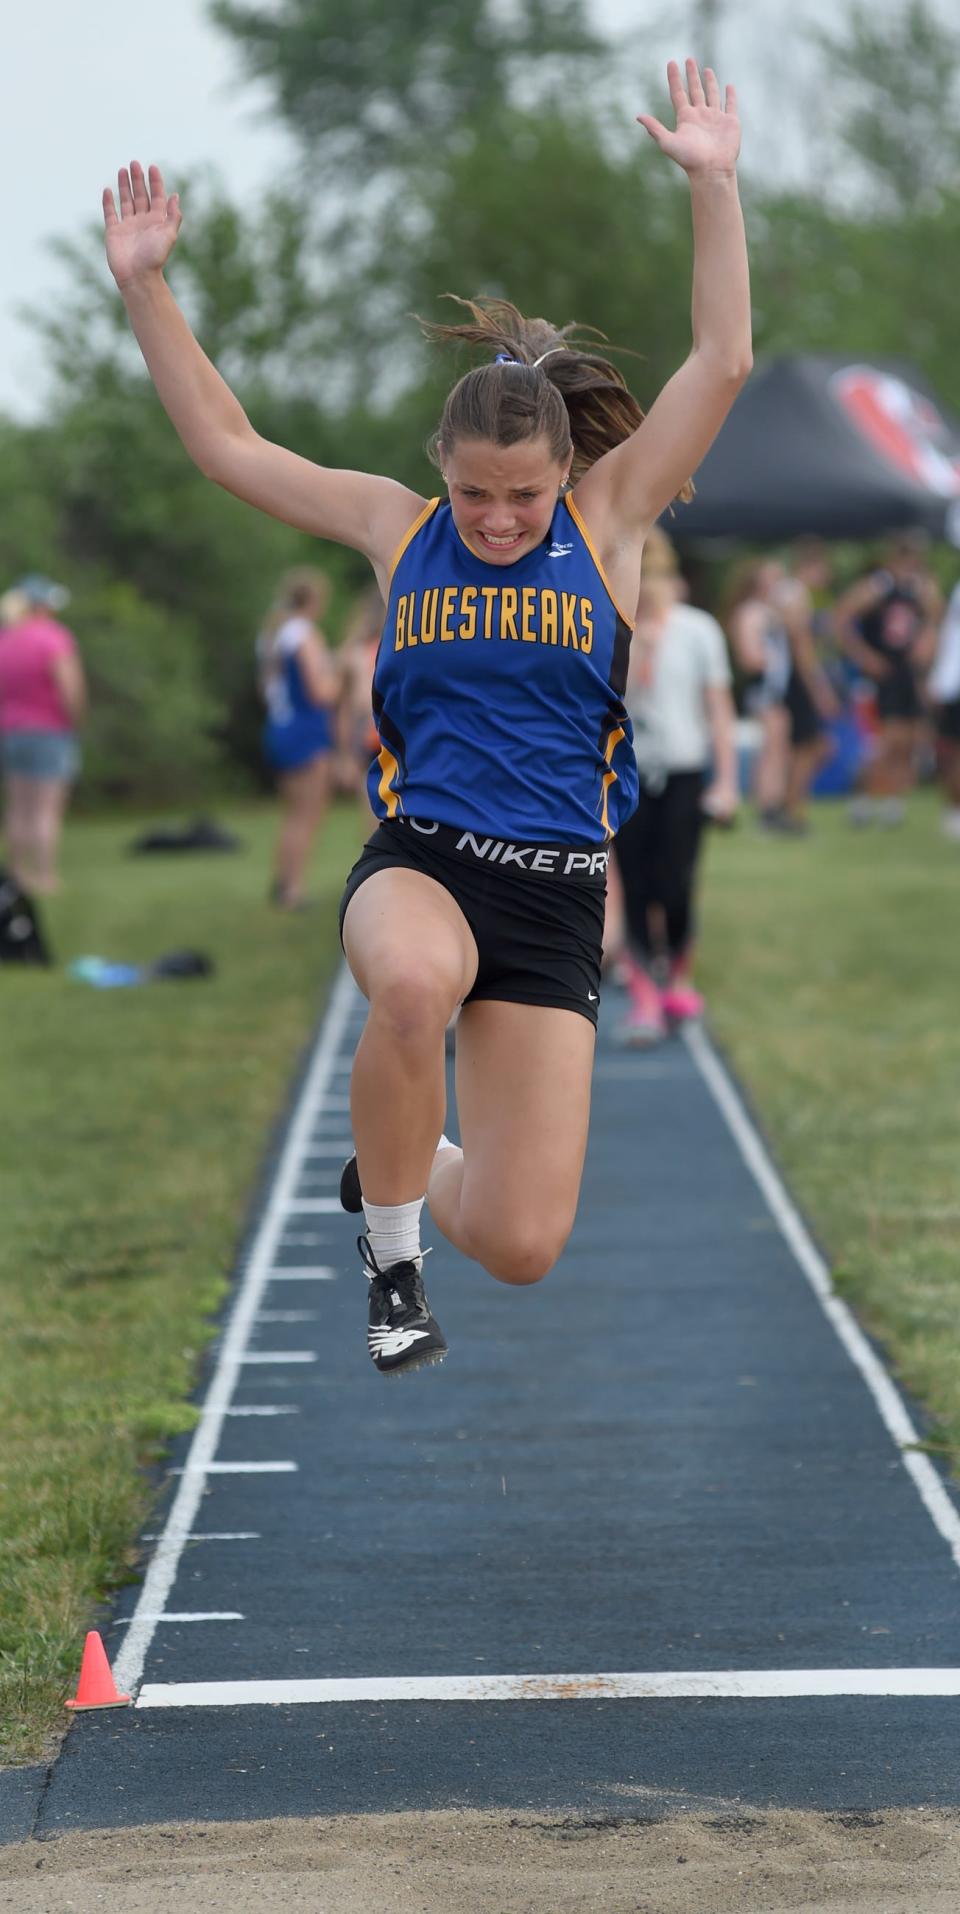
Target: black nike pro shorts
{"x":535,"y":910}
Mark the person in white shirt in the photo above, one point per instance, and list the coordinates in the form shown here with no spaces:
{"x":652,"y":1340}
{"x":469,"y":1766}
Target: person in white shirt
{"x":943,"y":687}
{"x":679,"y":698}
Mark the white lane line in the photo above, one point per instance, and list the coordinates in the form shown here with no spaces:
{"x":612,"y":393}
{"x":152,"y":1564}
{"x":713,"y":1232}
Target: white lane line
{"x":776,"y":1684}
{"x":207,"y":1615}
{"x":889,"y":1402}
{"x":162,"y":1570}
{"x":212,"y":1535}
{"x":263,"y":1409}
{"x":287,"y":1316}
{"x":238,"y":1468}
{"x":315,"y":1206}
{"x":277,"y":1355}
{"x":304,"y":1273}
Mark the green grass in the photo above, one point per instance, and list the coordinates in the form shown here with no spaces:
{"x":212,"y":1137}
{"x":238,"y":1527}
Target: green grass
{"x":832,"y":966}
{"x":134,"y":1122}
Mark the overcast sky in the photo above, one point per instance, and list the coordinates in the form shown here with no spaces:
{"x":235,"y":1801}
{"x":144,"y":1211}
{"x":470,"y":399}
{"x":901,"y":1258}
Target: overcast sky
{"x":89,"y":84}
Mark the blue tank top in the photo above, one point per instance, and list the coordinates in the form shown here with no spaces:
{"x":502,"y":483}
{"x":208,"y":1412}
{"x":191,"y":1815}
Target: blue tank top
{"x":498,"y":690}
{"x":296,"y":727}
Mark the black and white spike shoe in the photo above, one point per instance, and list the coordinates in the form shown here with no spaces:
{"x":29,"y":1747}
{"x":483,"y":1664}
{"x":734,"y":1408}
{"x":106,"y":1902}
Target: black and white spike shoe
{"x":350,"y":1197}
{"x":402,"y":1333}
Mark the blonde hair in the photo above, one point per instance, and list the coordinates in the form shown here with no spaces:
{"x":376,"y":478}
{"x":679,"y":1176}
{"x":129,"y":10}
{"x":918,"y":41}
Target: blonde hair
{"x":366,"y":618}
{"x":549,"y":379}
{"x":297,"y":589}
{"x":14,"y":606}
{"x":658,"y":575}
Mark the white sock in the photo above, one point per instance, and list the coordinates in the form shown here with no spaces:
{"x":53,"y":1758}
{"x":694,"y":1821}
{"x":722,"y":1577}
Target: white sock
{"x":394,"y":1231}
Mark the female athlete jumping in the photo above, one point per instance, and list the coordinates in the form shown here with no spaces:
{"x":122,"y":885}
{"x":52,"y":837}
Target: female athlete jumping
{"x":505,"y":762}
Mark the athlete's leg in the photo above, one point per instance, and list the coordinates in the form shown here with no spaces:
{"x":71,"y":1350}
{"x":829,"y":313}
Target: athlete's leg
{"x":905,"y":748}
{"x":637,"y":850}
{"x":805,"y":762}
{"x":523,"y":1099}
{"x":413,"y":955}
{"x":17,"y":826}
{"x":683,"y":820}
{"x":304,"y":797}
{"x":636,"y":855}
{"x":891,"y":772}
{"x":48,"y":805}
{"x":770,"y":776}
{"x":950,"y":771}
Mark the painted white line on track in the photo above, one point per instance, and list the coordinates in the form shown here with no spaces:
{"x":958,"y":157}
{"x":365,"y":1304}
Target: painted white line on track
{"x":169,"y":1614}
{"x":287,"y":1316}
{"x":775,"y":1684}
{"x":890,"y":1404}
{"x":163,"y":1566}
{"x":263,"y":1409}
{"x":315,"y":1206}
{"x":237,"y":1468}
{"x":212,"y":1535}
{"x":304,"y":1273}
{"x":193,"y":1615}
{"x":278,"y":1355}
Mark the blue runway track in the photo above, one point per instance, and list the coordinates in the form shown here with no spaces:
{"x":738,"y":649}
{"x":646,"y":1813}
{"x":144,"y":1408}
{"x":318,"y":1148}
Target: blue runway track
{"x":650,"y":1540}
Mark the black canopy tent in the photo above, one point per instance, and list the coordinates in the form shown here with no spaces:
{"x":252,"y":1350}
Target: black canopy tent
{"x":832,"y":446}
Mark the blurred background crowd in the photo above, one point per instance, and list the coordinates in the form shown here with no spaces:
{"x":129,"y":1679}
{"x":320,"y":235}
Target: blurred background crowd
{"x":811,"y":649}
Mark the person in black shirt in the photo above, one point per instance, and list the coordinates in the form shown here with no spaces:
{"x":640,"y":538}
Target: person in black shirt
{"x":887,"y":626}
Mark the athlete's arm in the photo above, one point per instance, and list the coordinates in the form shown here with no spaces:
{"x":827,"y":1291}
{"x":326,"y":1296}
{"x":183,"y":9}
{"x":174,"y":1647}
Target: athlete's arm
{"x":860,"y":597}
{"x":722,"y":796}
{"x":925,"y":645}
{"x":319,"y":672}
{"x":746,"y":626}
{"x":798,"y":624}
{"x":70,"y":680}
{"x":629,"y":487}
{"x":370,"y":514}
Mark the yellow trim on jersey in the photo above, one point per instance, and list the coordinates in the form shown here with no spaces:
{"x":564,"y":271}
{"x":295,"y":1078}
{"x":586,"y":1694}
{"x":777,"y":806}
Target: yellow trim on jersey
{"x":421,"y":519}
{"x":389,"y":769}
{"x":588,"y":541}
{"x":610,"y":776}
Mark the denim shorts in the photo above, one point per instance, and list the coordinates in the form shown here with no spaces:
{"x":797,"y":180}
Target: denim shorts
{"x":39,"y":754}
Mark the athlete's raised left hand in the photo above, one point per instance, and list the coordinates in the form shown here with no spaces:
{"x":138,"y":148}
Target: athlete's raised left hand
{"x":707,"y":136}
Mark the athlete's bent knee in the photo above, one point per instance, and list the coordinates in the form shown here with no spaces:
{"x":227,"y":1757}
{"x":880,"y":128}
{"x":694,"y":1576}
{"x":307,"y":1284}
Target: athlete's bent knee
{"x":522,"y":1261}
{"x":413,"y":1003}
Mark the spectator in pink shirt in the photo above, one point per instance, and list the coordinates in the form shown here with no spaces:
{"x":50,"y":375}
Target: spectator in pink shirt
{"x":42,"y":701}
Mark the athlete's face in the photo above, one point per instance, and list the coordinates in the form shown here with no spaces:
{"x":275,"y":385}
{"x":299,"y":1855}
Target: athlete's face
{"x":502,"y":496}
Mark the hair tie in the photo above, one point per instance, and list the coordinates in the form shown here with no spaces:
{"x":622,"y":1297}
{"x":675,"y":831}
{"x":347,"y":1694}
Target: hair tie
{"x":504,"y":359}
{"x":546,"y":355}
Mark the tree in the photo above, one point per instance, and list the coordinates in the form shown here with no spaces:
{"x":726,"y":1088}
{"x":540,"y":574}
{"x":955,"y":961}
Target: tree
{"x":364,"y":91}
{"x":894,"y":82}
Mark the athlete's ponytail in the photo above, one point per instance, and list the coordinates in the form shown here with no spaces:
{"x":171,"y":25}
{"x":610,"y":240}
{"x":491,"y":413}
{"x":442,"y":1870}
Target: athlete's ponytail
{"x":545,"y":379}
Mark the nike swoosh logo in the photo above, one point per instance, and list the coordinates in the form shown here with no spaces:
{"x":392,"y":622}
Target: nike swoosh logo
{"x":594,"y":999}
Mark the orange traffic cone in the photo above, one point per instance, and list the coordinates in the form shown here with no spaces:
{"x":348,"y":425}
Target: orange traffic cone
{"x":96,"y":1688}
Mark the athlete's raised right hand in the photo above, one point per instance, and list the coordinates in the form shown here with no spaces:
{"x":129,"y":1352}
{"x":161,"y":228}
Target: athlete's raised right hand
{"x":141,"y":238}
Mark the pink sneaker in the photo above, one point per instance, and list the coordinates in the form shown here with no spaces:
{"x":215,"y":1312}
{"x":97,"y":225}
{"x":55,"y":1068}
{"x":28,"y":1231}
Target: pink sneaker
{"x":682,"y":1004}
{"x":639,"y":1032}
{"x":644,"y":1022}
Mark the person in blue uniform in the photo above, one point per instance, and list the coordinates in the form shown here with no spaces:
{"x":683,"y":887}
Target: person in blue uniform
{"x":300,"y":689}
{"x":505,"y":761}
